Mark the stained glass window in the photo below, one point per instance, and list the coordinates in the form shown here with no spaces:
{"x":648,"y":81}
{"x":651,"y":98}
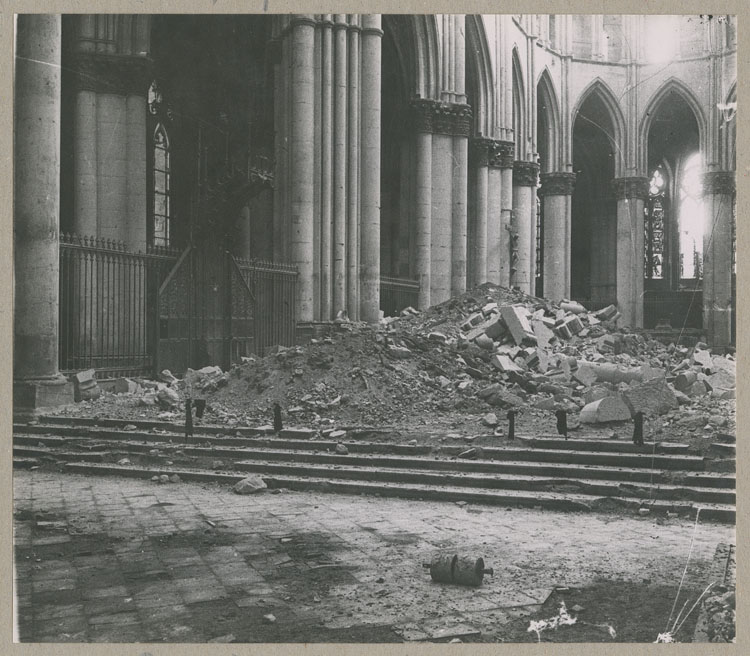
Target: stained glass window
{"x":161,"y":185}
{"x":691,"y":220}
{"x":654,"y":226}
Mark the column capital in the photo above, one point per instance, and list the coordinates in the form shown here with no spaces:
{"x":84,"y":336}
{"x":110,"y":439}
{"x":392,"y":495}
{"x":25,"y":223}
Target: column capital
{"x":502,"y":155}
{"x":441,"y":117}
{"x":480,"y":149}
{"x":558,"y":183}
{"x":123,"y":75}
{"x":302,"y":19}
{"x":719,"y":182}
{"x":630,"y":187}
{"x":525,"y":174}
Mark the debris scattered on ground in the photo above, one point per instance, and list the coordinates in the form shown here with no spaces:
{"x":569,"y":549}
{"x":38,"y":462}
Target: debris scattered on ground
{"x":250,"y":485}
{"x":454,"y":364}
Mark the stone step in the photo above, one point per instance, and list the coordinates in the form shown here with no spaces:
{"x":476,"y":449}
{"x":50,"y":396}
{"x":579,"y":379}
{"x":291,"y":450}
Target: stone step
{"x":610,"y":446}
{"x":364,"y":469}
{"x":663,"y":461}
{"x":495,"y":482}
{"x":546,"y":500}
{"x":435,"y":463}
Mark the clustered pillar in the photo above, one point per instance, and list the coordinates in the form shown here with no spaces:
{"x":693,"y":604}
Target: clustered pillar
{"x":523,"y":229}
{"x":329,"y":119}
{"x":631,"y":193}
{"x":718,"y":194}
{"x":441,"y":195}
{"x":556,"y":191}
{"x":36,"y":219}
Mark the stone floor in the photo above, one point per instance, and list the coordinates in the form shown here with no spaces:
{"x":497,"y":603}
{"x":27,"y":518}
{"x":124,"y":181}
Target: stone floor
{"x":121,"y":560}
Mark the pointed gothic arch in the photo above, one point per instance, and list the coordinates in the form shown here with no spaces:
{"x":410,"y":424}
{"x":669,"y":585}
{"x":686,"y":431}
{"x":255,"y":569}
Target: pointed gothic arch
{"x":519,"y":105}
{"x":616,"y":133}
{"x":479,"y":68}
{"x":548,"y":111}
{"x":672,"y":85}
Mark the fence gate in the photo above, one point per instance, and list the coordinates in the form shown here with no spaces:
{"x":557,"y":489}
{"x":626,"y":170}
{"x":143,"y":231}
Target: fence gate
{"x":205,"y":312}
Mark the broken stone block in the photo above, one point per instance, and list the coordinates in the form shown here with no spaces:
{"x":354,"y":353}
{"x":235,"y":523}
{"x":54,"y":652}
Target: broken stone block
{"x":472,"y":321}
{"x":652,"y":398}
{"x":490,"y":419}
{"x":723,"y":394}
{"x":722,"y":380}
{"x":569,"y":327}
{"x":124,"y":386}
{"x":517,"y":322}
{"x":596,"y":393}
{"x":484,"y":342}
{"x":490,"y":308}
{"x":702,"y":357}
{"x":544,"y":335}
{"x":574,"y":307}
{"x":606,"y":314}
{"x":504,"y":363}
{"x":503,"y":399}
{"x":167,"y":398}
{"x":698,"y":388}
{"x":167,"y":377}
{"x":436,"y":337}
{"x":682,"y":398}
{"x":85,"y":387}
{"x":609,"y":408}
{"x":548,"y":404}
{"x":585,"y":375}
{"x":250,"y":485}
{"x":685,"y":380}
{"x":398,"y":352}
{"x":495,"y":330}
{"x":531,"y":357}
{"x":652,"y":373}
{"x":341,"y":449}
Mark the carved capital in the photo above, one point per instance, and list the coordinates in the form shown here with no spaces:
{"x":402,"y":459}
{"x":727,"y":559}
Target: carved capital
{"x":557,"y":184}
{"x":525,"y":174}
{"x":441,"y":118}
{"x":480,"y":150}
{"x":502,"y":155}
{"x":632,"y":187}
{"x":719,"y":182}
{"x":118,"y":74}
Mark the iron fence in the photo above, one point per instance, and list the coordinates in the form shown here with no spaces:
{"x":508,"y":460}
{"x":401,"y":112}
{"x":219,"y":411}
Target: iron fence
{"x":397,"y":294}
{"x":274,"y":287}
{"x":681,"y":309}
{"x":106,"y":299}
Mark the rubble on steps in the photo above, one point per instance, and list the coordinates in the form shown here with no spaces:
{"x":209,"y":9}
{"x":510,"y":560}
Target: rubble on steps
{"x":489,"y":349}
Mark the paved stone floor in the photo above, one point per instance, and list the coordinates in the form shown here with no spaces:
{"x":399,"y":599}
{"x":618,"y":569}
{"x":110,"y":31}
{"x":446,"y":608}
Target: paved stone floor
{"x":122,"y":560}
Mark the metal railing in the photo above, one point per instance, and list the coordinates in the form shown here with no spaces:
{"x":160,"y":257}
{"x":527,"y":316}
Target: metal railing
{"x":106,"y":305}
{"x":682,"y":309}
{"x":397,"y":294}
{"x":274,"y":287}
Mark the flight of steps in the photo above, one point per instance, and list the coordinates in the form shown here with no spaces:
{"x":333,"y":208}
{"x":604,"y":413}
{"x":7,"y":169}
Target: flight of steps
{"x":545,"y":472}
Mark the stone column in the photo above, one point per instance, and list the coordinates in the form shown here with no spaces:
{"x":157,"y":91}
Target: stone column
{"x":495,"y":230}
{"x":504,"y":160}
{"x":372,"y":37}
{"x":36,"y":215}
{"x":442,"y":204}
{"x":423,"y":200}
{"x":718,"y":190}
{"x":339,"y":163}
{"x":326,"y":171}
{"x":631,"y":193}
{"x":301,"y":160}
{"x":557,"y":192}
{"x":480,"y":165}
{"x":524,"y":217}
{"x":462,"y":126}
{"x":353,"y":209}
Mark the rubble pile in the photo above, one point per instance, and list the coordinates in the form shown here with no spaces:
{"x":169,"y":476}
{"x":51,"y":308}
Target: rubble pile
{"x":491,"y":349}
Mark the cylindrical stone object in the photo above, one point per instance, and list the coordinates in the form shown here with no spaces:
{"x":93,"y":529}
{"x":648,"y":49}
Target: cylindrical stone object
{"x":469,"y":571}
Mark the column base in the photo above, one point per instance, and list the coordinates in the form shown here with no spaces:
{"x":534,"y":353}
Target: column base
{"x":31,"y":397}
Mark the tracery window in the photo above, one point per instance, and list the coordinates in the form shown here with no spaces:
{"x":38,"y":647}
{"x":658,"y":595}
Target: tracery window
{"x":691,"y":220}
{"x":654,"y":226}
{"x":161,"y":185}
{"x":161,"y":212}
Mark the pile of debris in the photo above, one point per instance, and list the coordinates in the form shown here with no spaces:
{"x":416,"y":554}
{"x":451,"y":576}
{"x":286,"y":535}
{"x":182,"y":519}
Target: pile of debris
{"x":490,"y":348}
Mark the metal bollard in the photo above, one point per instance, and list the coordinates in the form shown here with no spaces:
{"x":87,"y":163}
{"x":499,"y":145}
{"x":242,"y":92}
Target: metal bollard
{"x":464,"y":570}
{"x":188,"y":419}
{"x":511,"y":424}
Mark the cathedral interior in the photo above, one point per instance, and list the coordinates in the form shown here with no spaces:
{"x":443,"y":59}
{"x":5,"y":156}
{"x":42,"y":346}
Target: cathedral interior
{"x":189,"y":189}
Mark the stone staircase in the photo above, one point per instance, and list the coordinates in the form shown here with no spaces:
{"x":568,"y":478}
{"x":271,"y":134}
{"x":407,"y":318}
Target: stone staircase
{"x":543,"y":471}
